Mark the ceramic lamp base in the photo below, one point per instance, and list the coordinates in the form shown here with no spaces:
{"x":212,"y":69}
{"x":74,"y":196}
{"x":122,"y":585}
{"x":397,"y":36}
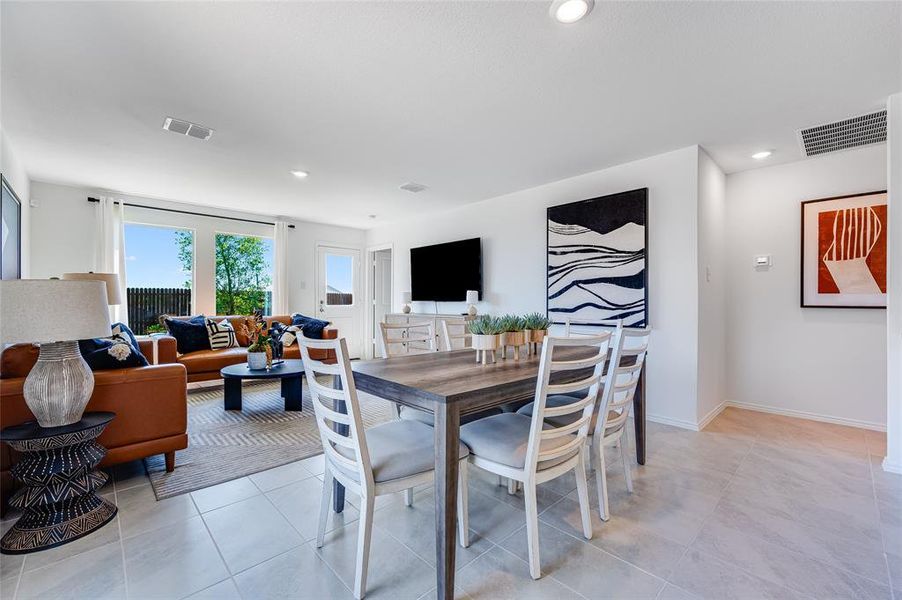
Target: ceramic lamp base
{"x":59,"y":385}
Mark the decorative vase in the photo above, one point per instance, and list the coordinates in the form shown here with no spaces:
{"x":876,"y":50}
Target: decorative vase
{"x":514,"y":339}
{"x":59,"y":385}
{"x":256,"y":360}
{"x":533,"y":338}
{"x":483,"y":344}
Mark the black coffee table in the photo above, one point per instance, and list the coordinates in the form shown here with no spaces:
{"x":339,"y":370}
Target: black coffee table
{"x":60,"y":479}
{"x":289,"y":371}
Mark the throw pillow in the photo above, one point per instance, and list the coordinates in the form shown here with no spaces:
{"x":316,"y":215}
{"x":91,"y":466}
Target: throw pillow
{"x":222,"y":334}
{"x":116,"y":352}
{"x":312,"y":328}
{"x":122,"y":333}
{"x":190,"y":335}
{"x":289,"y":335}
{"x":286,"y":335}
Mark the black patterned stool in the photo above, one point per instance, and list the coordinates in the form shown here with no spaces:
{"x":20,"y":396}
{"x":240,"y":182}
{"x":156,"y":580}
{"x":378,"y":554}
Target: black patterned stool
{"x":59,"y":475}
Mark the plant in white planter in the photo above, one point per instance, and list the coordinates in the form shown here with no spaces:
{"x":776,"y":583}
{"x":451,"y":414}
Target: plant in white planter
{"x":259,"y":353}
{"x":513,"y":335}
{"x":536,"y":326}
{"x":485,"y":331}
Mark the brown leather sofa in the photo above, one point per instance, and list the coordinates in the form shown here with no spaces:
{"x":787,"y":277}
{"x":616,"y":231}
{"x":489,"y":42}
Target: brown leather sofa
{"x":204,"y":365}
{"x":150,"y":405}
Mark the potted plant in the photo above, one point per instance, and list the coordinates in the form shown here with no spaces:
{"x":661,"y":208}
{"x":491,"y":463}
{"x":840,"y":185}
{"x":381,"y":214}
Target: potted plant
{"x":536,"y":325}
{"x":513,"y":334}
{"x":259,"y":352}
{"x":485,"y":332}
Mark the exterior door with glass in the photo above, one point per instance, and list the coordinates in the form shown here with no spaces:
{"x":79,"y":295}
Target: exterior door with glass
{"x":339,"y":300}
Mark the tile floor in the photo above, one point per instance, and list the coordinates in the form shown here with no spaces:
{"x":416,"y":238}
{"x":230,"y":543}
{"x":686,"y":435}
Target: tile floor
{"x":756,"y":506}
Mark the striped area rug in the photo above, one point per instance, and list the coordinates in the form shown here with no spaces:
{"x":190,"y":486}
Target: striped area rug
{"x":225,"y":445}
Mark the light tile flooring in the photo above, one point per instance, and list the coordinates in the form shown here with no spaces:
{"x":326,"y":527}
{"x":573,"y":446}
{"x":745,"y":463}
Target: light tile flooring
{"x":756,"y":506}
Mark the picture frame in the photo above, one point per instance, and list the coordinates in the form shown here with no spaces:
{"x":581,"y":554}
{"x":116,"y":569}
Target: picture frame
{"x":597,"y":259}
{"x":843,"y":251}
{"x":11,"y":238}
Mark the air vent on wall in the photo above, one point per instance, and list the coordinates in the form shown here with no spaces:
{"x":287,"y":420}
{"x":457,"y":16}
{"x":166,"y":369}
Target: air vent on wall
{"x":187,"y":128}
{"x":413,"y":187}
{"x":862,"y":130}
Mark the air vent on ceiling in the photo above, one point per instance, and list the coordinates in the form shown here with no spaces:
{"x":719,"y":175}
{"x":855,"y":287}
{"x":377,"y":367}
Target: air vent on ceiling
{"x":416,"y":188}
{"x":862,"y":130}
{"x":187,"y":128}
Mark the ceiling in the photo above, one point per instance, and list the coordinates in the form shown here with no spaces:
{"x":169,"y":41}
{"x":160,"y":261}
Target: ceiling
{"x":473,"y":99}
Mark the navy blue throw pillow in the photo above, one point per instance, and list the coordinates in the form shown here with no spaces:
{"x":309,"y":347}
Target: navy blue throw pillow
{"x":106,"y":353}
{"x":190,"y":335}
{"x":122,"y":333}
{"x":312,"y":328}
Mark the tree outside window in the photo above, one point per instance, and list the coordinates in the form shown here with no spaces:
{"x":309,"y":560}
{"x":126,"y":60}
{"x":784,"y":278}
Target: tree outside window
{"x":243,"y":274}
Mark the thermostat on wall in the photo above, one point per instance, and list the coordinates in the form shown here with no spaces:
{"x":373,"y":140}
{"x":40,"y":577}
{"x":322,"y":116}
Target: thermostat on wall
{"x":763,"y":261}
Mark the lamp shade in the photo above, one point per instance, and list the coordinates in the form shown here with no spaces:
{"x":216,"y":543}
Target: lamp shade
{"x":405,"y":297}
{"x":111,"y":279}
{"x":472,"y":296}
{"x":52,"y":310}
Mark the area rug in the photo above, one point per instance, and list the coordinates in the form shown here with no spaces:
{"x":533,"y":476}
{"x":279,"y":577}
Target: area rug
{"x":225,"y":445}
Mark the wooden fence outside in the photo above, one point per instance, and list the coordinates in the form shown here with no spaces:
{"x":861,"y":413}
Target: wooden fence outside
{"x":145,"y":305}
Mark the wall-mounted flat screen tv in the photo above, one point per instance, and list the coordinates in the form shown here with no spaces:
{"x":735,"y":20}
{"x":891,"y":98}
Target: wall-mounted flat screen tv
{"x":444,"y":272}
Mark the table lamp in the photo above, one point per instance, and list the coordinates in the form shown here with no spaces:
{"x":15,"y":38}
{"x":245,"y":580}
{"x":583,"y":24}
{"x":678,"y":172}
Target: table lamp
{"x":472,"y":299}
{"x":111,"y":280}
{"x":55,"y":314}
{"x":405,"y":302}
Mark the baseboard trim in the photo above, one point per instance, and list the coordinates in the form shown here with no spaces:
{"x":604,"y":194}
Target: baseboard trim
{"x":670,"y":421}
{"x":801,"y":414}
{"x":712,"y":415}
{"x":891,"y":467}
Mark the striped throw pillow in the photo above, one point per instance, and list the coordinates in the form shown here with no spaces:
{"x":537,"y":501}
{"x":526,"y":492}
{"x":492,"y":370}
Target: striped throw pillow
{"x":222,"y":334}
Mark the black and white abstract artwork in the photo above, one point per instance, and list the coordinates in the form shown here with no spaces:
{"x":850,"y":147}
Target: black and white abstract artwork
{"x":597,"y":264}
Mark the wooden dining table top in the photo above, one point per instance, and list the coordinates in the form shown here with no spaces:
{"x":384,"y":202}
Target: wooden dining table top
{"x":455,"y":377}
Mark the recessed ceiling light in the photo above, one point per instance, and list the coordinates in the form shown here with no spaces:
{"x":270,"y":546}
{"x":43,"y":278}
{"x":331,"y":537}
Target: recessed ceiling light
{"x":761,"y":155}
{"x":300,"y":174}
{"x":570,"y":11}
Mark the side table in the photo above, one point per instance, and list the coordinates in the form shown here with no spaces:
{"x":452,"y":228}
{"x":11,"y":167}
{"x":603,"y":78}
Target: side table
{"x":58,"y":471}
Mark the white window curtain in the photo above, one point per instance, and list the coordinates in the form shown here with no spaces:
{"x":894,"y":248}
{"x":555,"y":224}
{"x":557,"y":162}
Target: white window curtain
{"x":109,"y":249}
{"x":280,"y":270}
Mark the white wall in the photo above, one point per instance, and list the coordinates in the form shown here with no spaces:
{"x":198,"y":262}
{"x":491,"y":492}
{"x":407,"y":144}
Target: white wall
{"x":63,"y":222}
{"x":893,"y":461}
{"x":512,"y":228}
{"x":15,"y":174}
{"x":823,"y":362}
{"x":712,"y":274}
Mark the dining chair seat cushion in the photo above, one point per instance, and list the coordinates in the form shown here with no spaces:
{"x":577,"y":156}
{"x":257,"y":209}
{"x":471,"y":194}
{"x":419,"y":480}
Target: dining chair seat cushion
{"x":400,"y":449}
{"x":503,"y":439}
{"x":427,"y":418}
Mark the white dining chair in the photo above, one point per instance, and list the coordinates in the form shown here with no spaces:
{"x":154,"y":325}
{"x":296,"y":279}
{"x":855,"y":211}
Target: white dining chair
{"x":392,"y":457}
{"x":532,"y":451}
{"x":610,"y":427}
{"x":613,"y":404}
{"x":453,"y":330}
{"x":399,"y":339}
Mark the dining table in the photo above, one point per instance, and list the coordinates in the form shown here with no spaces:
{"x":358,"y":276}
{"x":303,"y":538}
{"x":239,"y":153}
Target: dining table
{"x":450,"y":385}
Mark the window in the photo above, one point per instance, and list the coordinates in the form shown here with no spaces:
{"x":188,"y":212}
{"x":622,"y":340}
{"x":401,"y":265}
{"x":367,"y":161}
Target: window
{"x":159,"y":273}
{"x":339,"y":280}
{"x":243,"y":274}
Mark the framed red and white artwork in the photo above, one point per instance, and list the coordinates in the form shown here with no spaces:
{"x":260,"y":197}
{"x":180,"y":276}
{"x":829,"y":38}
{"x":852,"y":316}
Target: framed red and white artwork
{"x":844,"y":251}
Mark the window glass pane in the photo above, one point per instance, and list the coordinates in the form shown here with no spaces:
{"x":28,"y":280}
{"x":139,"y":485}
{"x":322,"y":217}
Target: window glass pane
{"x":159,"y":272}
{"x":339,"y":280}
{"x":243,"y":274}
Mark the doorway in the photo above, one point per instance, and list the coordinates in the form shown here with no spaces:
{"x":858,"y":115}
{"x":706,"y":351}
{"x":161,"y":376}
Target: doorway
{"x":379,"y":280}
{"x":338,"y":293}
